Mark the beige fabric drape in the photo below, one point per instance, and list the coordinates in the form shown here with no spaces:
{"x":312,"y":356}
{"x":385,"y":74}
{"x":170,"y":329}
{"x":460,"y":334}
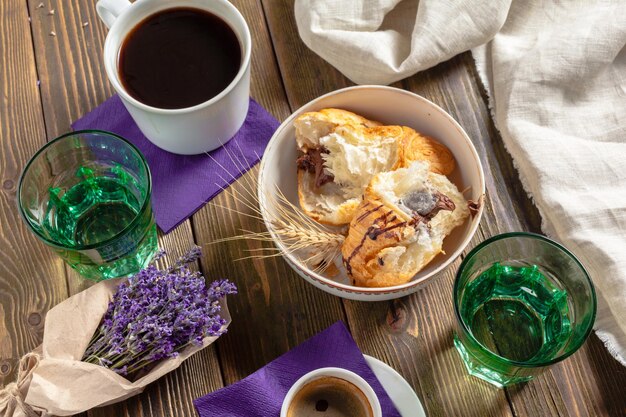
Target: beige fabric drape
{"x":556,"y":75}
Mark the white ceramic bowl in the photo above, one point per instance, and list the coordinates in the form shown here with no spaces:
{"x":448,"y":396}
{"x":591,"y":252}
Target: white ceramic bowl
{"x":390,"y":106}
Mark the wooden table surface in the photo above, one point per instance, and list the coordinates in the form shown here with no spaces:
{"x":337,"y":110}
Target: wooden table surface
{"x":275,"y":310}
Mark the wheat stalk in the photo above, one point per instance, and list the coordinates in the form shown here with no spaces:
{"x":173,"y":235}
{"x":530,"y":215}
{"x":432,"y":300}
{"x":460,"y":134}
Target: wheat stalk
{"x":300,"y":236}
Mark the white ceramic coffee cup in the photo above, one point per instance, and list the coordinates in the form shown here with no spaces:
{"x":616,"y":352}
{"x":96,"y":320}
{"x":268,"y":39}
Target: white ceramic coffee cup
{"x":191,"y":130}
{"x":340,"y":373}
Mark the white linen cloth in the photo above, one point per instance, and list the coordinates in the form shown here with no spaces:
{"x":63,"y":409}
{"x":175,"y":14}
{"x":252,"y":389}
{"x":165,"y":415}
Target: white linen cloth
{"x":556,"y":75}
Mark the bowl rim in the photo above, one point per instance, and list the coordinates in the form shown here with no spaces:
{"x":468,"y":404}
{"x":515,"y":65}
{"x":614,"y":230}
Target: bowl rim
{"x":475,"y":221}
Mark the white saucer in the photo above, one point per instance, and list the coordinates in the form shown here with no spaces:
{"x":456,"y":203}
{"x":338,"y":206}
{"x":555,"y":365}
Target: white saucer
{"x":400,"y":392}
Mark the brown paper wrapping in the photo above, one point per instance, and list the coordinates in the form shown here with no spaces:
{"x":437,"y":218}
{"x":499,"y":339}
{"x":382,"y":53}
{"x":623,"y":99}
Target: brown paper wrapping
{"x":53,"y":380}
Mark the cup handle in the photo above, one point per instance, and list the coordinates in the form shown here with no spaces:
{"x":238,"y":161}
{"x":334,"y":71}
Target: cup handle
{"x":109,"y":10}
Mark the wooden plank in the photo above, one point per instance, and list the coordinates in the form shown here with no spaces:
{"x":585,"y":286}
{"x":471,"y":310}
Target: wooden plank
{"x":591,"y":382}
{"x":428,"y":360}
{"x":452,"y":87}
{"x":305,"y":75}
{"x":412,"y":334}
{"x":73,"y":82}
{"x":72,"y":79}
{"x":274,"y":310}
{"x":70,"y":64}
{"x":32,"y":278}
{"x":569,"y":388}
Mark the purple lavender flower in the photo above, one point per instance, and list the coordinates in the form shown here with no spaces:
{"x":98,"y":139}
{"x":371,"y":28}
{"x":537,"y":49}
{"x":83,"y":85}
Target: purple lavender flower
{"x":155,"y":314}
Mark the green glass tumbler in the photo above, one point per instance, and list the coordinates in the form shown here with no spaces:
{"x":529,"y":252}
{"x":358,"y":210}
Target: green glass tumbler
{"x":522,"y":302}
{"x":86,"y":194}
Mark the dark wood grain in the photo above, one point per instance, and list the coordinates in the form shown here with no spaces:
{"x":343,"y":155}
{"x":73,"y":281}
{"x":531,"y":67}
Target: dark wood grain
{"x":565,"y":389}
{"x":70,"y":66}
{"x":275,"y":309}
{"x":305,"y":75}
{"x":445,"y":387}
{"x":582,"y":389}
{"x":73,"y":82}
{"x":413,"y":334}
{"x":32,"y":278}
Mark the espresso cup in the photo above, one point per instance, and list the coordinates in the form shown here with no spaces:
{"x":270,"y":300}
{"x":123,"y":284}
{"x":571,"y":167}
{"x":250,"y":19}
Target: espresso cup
{"x":338,"y":373}
{"x":192,"y":130}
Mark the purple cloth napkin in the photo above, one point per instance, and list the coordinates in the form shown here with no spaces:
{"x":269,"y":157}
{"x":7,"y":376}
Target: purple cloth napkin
{"x":261,"y":394}
{"x":182,"y":184}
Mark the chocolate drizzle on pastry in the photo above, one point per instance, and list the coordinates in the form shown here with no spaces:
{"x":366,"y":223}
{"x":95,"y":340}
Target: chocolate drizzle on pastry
{"x":442,"y":202}
{"x":426,"y":206}
{"x":368,"y":212}
{"x":473,"y":207}
{"x":313,"y":162}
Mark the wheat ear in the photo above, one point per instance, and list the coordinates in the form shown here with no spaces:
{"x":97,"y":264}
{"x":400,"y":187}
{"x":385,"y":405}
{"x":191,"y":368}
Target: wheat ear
{"x":299,"y":235}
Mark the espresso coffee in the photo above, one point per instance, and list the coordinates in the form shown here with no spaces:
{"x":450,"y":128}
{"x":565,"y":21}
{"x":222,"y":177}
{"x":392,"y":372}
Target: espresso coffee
{"x":178,"y":58}
{"x":330,"y":397}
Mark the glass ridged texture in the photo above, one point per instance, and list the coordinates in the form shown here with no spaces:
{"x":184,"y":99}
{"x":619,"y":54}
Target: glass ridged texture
{"x":87,"y":196}
{"x":522,"y":302}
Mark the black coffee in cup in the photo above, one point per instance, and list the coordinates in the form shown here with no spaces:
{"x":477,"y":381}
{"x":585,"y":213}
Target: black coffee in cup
{"x":178,"y":58}
{"x":330,"y":397}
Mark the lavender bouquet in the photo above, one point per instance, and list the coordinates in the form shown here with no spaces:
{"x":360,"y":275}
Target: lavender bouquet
{"x":155,"y":315}
{"x":109,"y":342}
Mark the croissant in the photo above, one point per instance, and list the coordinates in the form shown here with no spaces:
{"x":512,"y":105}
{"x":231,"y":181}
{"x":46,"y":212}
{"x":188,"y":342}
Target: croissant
{"x":342,"y":152}
{"x":400,"y":225}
